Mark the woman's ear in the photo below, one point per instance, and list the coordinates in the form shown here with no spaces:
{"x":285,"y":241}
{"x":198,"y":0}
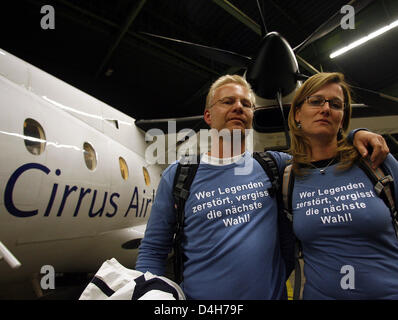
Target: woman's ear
{"x":297,"y":116}
{"x":342,"y":122}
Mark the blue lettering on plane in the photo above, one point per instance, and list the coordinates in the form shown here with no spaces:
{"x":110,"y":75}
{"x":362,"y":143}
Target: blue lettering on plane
{"x":136,"y":206}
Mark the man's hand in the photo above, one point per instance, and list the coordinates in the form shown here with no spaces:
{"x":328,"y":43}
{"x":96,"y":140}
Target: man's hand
{"x":364,"y":139}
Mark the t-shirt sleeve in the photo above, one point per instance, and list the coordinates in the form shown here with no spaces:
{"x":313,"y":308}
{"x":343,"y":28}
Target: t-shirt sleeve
{"x":392,"y":166}
{"x":158,"y":239}
{"x":281,"y":159}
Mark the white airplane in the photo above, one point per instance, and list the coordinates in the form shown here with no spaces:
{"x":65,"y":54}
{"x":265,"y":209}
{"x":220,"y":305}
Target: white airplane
{"x":75,"y":187}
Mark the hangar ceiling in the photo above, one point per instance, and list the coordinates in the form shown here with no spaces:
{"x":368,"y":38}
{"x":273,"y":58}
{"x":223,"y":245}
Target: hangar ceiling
{"x":97,"y":46}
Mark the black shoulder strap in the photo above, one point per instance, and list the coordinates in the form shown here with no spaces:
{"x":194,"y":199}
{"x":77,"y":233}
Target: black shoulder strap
{"x":268,"y":163}
{"x":287,"y":191}
{"x":290,"y":247}
{"x":186,"y":171}
{"x":383,"y":186}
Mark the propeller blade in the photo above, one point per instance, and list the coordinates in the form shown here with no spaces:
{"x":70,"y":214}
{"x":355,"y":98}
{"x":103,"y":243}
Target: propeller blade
{"x":306,"y":65}
{"x":378,"y":104}
{"x":264,"y":30}
{"x":285,"y":124}
{"x":301,"y":77}
{"x":223,"y":56}
{"x":332,"y":23}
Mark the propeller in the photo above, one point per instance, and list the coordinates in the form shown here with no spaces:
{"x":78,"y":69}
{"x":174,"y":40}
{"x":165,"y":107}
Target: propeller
{"x":274,"y":74}
{"x":275,"y":59}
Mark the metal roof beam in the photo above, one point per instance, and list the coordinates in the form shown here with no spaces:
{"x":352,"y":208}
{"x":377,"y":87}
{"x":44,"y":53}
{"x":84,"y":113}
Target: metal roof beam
{"x":205,"y":88}
{"x":200,"y":67}
{"x":239,"y":15}
{"x":131,"y":17}
{"x":289,"y":17}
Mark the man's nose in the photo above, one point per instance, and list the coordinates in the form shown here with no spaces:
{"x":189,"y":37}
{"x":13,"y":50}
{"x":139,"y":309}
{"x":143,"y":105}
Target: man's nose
{"x":238,"y":106}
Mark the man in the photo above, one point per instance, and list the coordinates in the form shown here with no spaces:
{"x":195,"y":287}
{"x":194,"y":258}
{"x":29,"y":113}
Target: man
{"x":231,"y":243}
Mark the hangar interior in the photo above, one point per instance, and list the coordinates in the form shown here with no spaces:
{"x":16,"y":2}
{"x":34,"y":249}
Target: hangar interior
{"x":99,"y":46}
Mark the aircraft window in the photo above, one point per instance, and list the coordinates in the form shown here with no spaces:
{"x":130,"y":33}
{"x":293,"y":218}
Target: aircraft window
{"x":124,"y":169}
{"x":90,"y":156}
{"x":31,"y":128}
{"x":146,"y":176}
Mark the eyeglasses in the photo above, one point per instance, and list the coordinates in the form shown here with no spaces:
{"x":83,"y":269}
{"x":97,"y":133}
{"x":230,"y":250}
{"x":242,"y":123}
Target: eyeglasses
{"x":230,"y":101}
{"x":319,"y":101}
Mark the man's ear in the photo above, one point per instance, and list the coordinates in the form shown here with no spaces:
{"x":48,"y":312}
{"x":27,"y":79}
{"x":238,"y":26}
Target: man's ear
{"x":207,"y":117}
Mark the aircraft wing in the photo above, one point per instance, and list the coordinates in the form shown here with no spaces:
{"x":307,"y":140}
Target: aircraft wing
{"x":195,"y":123}
{"x":8,"y":257}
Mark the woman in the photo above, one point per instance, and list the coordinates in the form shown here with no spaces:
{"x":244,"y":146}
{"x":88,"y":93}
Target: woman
{"x":349,"y":245}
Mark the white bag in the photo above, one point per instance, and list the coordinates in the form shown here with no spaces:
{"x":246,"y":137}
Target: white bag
{"x":115,"y":282}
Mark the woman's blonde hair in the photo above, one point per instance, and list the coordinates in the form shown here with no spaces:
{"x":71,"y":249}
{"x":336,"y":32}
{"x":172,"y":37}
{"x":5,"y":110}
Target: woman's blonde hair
{"x":300,"y":147}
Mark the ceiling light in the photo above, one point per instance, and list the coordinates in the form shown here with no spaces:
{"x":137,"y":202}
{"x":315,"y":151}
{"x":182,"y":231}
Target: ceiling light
{"x":364,"y":39}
